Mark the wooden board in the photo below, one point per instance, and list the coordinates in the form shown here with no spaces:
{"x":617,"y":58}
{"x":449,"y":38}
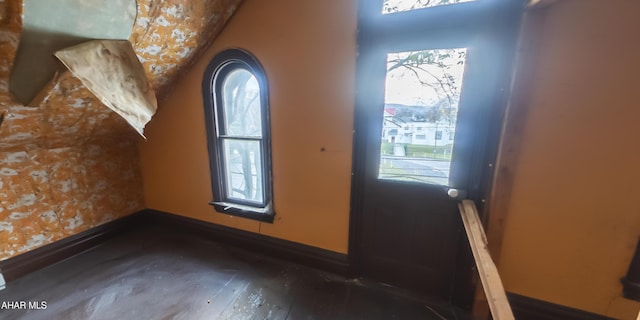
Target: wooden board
{"x":489,"y":276}
{"x":497,"y":208}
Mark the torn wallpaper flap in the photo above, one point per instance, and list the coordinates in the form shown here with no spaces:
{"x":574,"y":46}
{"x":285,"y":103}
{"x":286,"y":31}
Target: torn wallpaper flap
{"x":52,"y":25}
{"x":111,"y":70}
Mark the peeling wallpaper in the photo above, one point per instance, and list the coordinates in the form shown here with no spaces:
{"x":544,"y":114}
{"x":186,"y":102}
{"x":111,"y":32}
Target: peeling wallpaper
{"x":69,"y":163}
{"x":169,"y":35}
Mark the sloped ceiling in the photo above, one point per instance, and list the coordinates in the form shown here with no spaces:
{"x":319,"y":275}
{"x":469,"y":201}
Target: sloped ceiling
{"x":169,"y":34}
{"x":167,"y":37}
{"x":49,"y":26}
{"x":70,"y":163}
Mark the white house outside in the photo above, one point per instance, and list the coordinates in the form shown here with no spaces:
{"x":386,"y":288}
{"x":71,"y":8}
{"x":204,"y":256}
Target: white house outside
{"x":420,"y":132}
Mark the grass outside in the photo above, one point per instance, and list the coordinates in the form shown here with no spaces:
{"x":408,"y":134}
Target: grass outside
{"x":419,"y":151}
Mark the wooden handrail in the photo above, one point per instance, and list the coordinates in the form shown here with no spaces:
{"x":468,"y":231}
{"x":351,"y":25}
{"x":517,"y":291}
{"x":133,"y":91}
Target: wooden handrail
{"x":489,"y":276}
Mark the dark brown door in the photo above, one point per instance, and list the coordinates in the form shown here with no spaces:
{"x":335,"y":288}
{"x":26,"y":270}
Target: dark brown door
{"x":432,"y":86}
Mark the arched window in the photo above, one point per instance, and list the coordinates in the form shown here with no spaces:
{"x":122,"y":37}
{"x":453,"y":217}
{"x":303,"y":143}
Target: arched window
{"x":236,"y":107}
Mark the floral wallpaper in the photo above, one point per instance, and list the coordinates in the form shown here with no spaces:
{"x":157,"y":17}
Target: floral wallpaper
{"x":70,"y":163}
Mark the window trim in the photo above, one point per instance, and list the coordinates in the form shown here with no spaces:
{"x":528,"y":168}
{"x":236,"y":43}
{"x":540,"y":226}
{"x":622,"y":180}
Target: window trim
{"x":220,"y":66}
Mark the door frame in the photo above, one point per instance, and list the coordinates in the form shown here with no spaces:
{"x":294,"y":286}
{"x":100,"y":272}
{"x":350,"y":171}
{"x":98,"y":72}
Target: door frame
{"x":498,"y":18}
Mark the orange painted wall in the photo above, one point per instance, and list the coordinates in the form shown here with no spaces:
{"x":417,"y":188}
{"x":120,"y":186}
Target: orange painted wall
{"x":572,"y":228}
{"x":573,"y":224}
{"x":308,"y":51}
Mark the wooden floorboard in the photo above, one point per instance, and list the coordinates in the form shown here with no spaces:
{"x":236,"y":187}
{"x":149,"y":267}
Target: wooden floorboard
{"x":157,"y":273}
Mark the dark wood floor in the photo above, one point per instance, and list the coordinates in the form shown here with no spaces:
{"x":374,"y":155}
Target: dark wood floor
{"x":155,"y":273}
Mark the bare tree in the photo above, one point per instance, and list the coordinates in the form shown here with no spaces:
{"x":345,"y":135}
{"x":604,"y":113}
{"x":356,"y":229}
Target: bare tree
{"x":420,"y":64}
{"x":238,"y":110}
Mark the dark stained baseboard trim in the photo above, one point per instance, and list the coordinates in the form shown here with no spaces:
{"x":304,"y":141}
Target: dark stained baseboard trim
{"x":287,"y":250}
{"x":25,"y":263}
{"x":525,"y":308}
{"x":631,"y":282}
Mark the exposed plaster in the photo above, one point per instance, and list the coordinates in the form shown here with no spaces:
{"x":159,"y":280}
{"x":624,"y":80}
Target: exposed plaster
{"x":69,"y":163}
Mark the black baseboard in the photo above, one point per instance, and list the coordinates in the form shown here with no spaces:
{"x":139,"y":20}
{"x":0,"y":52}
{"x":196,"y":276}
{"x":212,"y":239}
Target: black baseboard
{"x":287,"y":250}
{"x":25,"y":263}
{"x":525,"y":308}
{"x":631,"y":282}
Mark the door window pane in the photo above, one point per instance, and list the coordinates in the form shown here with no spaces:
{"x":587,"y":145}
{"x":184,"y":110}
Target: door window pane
{"x":392,"y":6}
{"x":422,"y":92}
{"x":243,"y":168}
{"x":241,"y":102}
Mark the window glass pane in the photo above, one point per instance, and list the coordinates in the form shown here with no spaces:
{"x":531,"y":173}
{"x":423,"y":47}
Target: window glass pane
{"x":391,"y":6}
{"x":421,"y":102}
{"x":243,"y":170}
{"x":241,"y":102}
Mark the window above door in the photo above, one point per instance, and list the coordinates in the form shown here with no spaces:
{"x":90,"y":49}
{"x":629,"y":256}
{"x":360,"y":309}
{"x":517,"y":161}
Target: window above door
{"x":393,"y":6}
